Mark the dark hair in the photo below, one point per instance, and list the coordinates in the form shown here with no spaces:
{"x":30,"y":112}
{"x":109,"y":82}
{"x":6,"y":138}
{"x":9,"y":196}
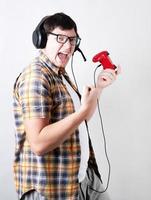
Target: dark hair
{"x":60,"y":20}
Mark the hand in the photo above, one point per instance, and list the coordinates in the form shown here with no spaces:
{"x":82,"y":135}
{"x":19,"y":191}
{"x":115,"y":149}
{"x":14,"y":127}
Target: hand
{"x":89,"y":101}
{"x":107,"y":77}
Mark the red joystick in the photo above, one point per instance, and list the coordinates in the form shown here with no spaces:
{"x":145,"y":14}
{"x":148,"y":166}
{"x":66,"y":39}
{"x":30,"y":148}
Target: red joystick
{"x":104,"y":59}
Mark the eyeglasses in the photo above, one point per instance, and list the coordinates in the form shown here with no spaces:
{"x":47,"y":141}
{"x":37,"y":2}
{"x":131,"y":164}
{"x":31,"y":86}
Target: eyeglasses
{"x":63,"y":39}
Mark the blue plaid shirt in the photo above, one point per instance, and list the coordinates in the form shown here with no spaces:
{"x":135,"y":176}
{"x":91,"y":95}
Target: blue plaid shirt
{"x":38,"y":93}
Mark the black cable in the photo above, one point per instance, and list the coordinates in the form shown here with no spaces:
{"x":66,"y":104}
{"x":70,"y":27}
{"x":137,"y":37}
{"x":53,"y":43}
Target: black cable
{"x":104,"y":139}
{"x":102,"y":127}
{"x":74,"y":74}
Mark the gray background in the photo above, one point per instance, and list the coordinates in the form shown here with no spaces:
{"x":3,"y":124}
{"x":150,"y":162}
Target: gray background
{"x":124,"y":29}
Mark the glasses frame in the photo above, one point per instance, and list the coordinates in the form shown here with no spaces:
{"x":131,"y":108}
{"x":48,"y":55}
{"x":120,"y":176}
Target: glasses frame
{"x":78,"y":39}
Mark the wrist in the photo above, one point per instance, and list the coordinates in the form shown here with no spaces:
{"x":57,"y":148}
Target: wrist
{"x":82,"y":112}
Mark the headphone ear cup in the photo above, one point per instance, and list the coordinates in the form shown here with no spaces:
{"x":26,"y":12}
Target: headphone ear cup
{"x":35,"y":38}
{"x":77,"y":47}
{"x":39,"y":38}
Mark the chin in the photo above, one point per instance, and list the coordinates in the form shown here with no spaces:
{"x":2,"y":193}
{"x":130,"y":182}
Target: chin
{"x":63,"y":65}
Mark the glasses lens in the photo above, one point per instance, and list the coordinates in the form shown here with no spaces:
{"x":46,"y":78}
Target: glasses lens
{"x":73,"y":41}
{"x":62,"y":38}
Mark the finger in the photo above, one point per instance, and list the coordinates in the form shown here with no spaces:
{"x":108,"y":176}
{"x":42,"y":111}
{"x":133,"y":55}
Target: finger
{"x":107,"y":80}
{"x":89,"y":89}
{"x":118,"y":70}
{"x":111,"y":71}
{"x":86,"y":90}
{"x":108,"y":75}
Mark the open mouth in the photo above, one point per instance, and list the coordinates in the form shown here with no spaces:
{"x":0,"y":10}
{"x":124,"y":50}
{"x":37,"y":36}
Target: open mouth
{"x":63,"y":57}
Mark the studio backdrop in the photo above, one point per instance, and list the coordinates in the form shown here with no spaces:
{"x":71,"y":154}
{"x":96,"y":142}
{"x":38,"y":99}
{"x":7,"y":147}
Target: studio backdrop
{"x":123,"y":28}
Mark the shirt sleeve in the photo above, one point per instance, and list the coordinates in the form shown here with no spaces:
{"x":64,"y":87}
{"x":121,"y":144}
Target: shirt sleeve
{"x":35,"y":94}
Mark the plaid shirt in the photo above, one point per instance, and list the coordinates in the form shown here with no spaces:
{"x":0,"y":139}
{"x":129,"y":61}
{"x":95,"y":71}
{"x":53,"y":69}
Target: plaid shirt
{"x":38,"y":93}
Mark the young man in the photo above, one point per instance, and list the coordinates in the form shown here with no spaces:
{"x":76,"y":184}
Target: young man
{"x":48,"y":161}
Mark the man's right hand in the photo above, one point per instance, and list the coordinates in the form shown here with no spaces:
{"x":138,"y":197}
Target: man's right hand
{"x":89,"y":101}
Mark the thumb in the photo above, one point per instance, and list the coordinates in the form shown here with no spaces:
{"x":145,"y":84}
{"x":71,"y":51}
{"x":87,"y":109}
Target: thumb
{"x":86,"y":90}
{"x":118,"y":70}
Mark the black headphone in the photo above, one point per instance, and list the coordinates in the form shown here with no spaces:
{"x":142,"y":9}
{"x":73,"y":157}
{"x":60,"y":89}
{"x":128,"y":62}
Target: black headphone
{"x":39,"y":36}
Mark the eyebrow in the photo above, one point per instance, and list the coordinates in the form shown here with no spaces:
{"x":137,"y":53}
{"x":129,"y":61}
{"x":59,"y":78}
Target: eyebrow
{"x":62,"y":35}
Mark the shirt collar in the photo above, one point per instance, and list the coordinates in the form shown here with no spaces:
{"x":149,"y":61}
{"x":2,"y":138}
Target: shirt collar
{"x":46,"y":60}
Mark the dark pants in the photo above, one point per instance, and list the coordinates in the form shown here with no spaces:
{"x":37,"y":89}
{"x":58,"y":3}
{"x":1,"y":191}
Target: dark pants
{"x":89,"y":187}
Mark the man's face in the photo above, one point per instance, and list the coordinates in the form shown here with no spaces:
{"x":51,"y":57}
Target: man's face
{"x":58,"y":53}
